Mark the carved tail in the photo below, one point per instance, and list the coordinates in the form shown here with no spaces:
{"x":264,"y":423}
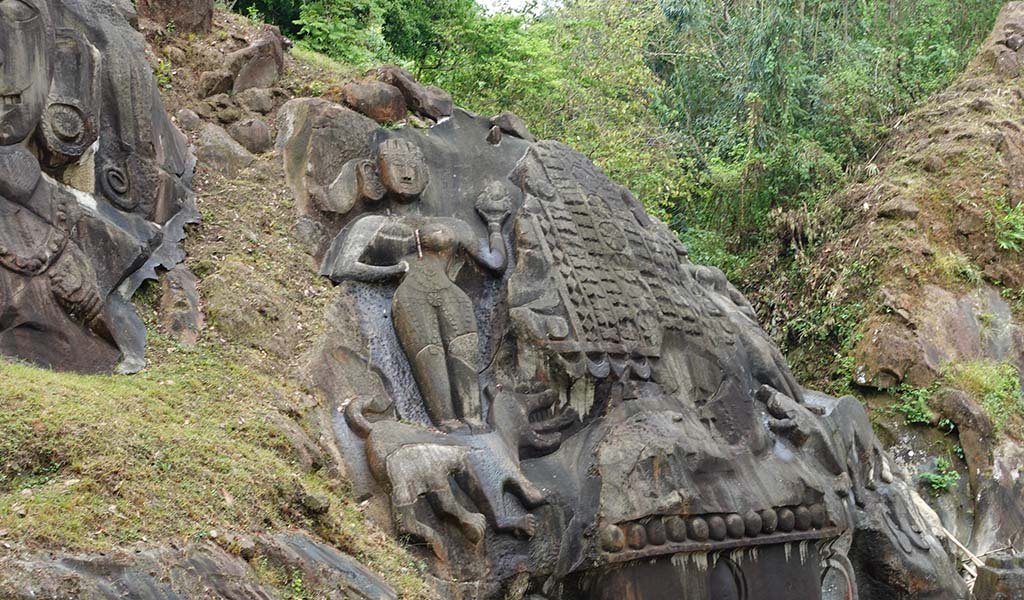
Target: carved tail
{"x":355,"y":417}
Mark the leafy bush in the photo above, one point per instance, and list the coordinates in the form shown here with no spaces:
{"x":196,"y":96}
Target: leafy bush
{"x":912,"y":403}
{"x":348,"y":30}
{"x":943,"y":478}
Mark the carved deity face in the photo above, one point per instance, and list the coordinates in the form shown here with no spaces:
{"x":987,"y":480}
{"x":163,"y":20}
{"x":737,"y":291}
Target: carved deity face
{"x":403,"y":170}
{"x":24,"y":68}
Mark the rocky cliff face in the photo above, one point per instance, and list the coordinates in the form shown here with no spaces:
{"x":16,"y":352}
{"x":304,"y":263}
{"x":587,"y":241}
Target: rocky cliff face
{"x":519,"y":372}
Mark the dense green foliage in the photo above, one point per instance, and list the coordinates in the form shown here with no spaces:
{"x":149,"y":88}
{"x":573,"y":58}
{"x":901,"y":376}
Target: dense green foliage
{"x":774,"y":101}
{"x":715,"y":112}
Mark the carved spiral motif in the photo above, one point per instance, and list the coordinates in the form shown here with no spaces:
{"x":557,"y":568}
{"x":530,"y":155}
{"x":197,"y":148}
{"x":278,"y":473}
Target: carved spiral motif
{"x":65,"y":131}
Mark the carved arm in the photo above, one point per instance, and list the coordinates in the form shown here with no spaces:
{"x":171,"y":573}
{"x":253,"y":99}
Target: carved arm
{"x":344,"y":260}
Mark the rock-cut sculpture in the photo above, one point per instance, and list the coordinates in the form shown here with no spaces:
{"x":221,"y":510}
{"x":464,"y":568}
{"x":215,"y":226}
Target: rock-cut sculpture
{"x":568,"y":408}
{"x":93,"y":185}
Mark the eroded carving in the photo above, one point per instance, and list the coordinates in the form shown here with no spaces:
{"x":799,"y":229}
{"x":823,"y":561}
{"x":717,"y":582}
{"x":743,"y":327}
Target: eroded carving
{"x":433,"y":317}
{"x":81,"y":132}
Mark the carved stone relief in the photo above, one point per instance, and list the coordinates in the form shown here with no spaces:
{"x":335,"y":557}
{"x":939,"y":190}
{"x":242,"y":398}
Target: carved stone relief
{"x":568,"y":405}
{"x":93,"y":185}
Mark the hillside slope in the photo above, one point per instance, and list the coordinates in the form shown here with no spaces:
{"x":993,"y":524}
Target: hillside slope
{"x":908,"y":289}
{"x":197,"y":475}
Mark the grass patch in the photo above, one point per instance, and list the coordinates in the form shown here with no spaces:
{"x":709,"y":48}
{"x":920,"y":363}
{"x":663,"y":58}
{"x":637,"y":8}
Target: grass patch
{"x":92,"y":462}
{"x":954,"y":267}
{"x":95,"y":461}
{"x":1009,"y":225}
{"x":995,"y":385}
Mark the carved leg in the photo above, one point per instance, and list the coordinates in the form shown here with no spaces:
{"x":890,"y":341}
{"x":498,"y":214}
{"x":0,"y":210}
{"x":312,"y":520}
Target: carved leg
{"x":418,"y":328}
{"x":462,"y":361}
{"x":431,"y":373}
{"x":490,"y":500}
{"x":526,"y":491}
{"x":405,"y":518}
{"x":472,"y":523}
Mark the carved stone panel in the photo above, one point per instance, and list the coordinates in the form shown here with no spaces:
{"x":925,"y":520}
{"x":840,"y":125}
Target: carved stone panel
{"x":568,"y":407}
{"x":93,"y":185}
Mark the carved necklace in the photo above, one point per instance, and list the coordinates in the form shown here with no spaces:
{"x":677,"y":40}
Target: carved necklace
{"x":50,"y":250}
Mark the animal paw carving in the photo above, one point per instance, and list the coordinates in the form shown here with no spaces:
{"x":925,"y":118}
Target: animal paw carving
{"x":526,"y":527}
{"x":474,"y":527}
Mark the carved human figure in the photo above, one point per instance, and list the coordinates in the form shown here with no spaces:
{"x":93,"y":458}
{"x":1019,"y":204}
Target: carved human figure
{"x":434,"y":319}
{"x":37,"y":216}
{"x":24,"y":68}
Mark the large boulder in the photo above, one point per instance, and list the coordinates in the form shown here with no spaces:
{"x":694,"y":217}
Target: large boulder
{"x":614,"y":420}
{"x":381,"y":102}
{"x":260,"y":64}
{"x":424,"y":100}
{"x":190,"y":16}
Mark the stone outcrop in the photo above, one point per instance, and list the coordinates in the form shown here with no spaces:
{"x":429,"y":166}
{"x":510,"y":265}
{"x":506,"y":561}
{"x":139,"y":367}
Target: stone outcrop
{"x":542,"y":389}
{"x":190,"y":16}
{"x":199,"y":570}
{"x":94,"y":185}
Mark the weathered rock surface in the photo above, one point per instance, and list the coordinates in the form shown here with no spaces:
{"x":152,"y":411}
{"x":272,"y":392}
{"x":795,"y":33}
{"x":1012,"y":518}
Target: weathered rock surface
{"x":180,"y":311}
{"x":94,"y":184}
{"x":253,"y":134}
{"x":193,"y":16}
{"x":380,"y":101}
{"x":425,"y":100}
{"x":212,"y":83}
{"x":218,"y":150}
{"x":260,"y":64}
{"x":511,"y":124}
{"x":1002,"y":578}
{"x":188,"y":120}
{"x":259,"y":100}
{"x":200,"y":570}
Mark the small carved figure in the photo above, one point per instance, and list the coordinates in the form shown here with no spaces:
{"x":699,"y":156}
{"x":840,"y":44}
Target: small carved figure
{"x":514,"y":416}
{"x":434,"y":319}
{"x":415,"y":462}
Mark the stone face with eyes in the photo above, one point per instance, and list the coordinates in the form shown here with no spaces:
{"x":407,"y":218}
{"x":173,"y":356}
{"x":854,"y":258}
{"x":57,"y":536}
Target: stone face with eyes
{"x":403,"y":170}
{"x":24,"y":68}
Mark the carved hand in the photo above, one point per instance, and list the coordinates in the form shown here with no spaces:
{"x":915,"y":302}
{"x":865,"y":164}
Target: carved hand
{"x":74,"y":286}
{"x":787,"y":417}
